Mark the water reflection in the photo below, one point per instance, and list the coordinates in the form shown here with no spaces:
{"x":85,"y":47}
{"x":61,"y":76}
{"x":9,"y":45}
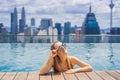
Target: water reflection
{"x":111,"y":55}
{"x":23,"y":45}
{"x":17,"y":48}
{"x":17,"y":45}
{"x":13,"y":46}
{"x":89,"y":47}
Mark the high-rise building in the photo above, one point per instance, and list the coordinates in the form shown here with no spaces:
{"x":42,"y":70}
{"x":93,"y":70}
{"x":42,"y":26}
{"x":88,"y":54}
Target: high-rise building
{"x":59,"y":28}
{"x":23,"y":17}
{"x":67,"y":28}
{"x":59,"y":31}
{"x":1,"y":25}
{"x":14,"y":22}
{"x":45,"y":24}
{"x":21,"y":26}
{"x":22,"y":21}
{"x":90,"y":26}
{"x":14,"y":26}
{"x":32,"y":21}
{"x":3,"y":32}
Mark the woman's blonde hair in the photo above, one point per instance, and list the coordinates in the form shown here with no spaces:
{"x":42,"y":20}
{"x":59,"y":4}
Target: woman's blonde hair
{"x":57,"y":59}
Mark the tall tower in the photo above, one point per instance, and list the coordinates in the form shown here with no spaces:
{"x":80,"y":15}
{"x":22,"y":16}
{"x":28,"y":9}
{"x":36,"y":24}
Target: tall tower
{"x":90,"y":9}
{"x":14,"y":25}
{"x":66,"y":32}
{"x":22,"y":21}
{"x":90,"y":26}
{"x":1,"y":25}
{"x":111,"y":14}
{"x":23,"y":17}
{"x":59,"y":31}
{"x":14,"y":22}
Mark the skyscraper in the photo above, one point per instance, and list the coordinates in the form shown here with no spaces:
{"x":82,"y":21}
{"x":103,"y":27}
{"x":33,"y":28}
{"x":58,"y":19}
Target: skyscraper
{"x":1,"y":25}
{"x":14,"y":26}
{"x":45,"y":24}
{"x":14,"y":22}
{"x":59,"y":30}
{"x":21,"y":26}
{"x":90,"y":26}
{"x":32,"y":21}
{"x":67,"y":28}
{"x":22,"y":21}
{"x":23,"y":17}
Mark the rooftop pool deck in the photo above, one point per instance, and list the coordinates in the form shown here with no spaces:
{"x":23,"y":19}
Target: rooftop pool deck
{"x":95,"y":75}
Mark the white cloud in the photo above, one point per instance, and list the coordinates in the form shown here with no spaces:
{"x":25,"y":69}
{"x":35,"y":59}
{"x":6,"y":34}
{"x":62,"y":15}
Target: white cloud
{"x":80,"y":1}
{"x":61,"y":10}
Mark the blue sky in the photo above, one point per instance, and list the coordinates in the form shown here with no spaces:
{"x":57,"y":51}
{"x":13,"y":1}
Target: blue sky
{"x":61,"y":11}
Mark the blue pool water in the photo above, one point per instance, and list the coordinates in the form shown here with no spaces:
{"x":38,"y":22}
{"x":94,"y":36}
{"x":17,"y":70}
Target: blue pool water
{"x":24,"y":57}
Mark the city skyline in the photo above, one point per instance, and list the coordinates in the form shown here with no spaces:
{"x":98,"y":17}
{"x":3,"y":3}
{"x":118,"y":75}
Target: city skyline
{"x":62,"y":11}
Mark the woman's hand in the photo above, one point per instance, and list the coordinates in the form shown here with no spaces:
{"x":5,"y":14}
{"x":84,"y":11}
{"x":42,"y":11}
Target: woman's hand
{"x":70,"y":71}
{"x":53,"y":53}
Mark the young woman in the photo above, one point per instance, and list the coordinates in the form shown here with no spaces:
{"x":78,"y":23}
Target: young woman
{"x":61,"y":62}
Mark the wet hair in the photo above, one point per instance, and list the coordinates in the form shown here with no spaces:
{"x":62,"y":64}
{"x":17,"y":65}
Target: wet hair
{"x":52,"y":46}
{"x":57,"y":59}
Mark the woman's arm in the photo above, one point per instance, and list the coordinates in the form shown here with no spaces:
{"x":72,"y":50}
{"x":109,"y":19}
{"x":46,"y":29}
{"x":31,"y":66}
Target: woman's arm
{"x":47,"y":66}
{"x":84,"y":67}
{"x":49,"y":63}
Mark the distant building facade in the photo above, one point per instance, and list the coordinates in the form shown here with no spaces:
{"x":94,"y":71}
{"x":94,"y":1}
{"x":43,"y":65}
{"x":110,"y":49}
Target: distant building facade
{"x":45,"y":24}
{"x":90,"y":27}
{"x":28,"y":34}
{"x":3,"y":34}
{"x":22,"y":21}
{"x":21,"y":26}
{"x":1,"y":25}
{"x":14,"y":26}
{"x":59,"y":31}
{"x":67,"y":28}
{"x":115,"y":35}
{"x":32,"y":21}
{"x":90,"y":24}
{"x":14,"y":22}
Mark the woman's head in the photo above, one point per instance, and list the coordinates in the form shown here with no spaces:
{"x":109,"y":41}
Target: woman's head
{"x":60,"y":47}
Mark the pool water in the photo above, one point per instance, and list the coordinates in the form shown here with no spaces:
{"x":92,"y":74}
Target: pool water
{"x":25,"y":57}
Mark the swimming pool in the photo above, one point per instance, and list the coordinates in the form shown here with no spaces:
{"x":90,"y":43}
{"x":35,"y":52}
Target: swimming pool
{"x":25,"y":57}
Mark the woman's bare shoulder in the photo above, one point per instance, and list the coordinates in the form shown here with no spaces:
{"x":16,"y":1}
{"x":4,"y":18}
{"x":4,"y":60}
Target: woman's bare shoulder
{"x":77,"y":61}
{"x":73,"y":58}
